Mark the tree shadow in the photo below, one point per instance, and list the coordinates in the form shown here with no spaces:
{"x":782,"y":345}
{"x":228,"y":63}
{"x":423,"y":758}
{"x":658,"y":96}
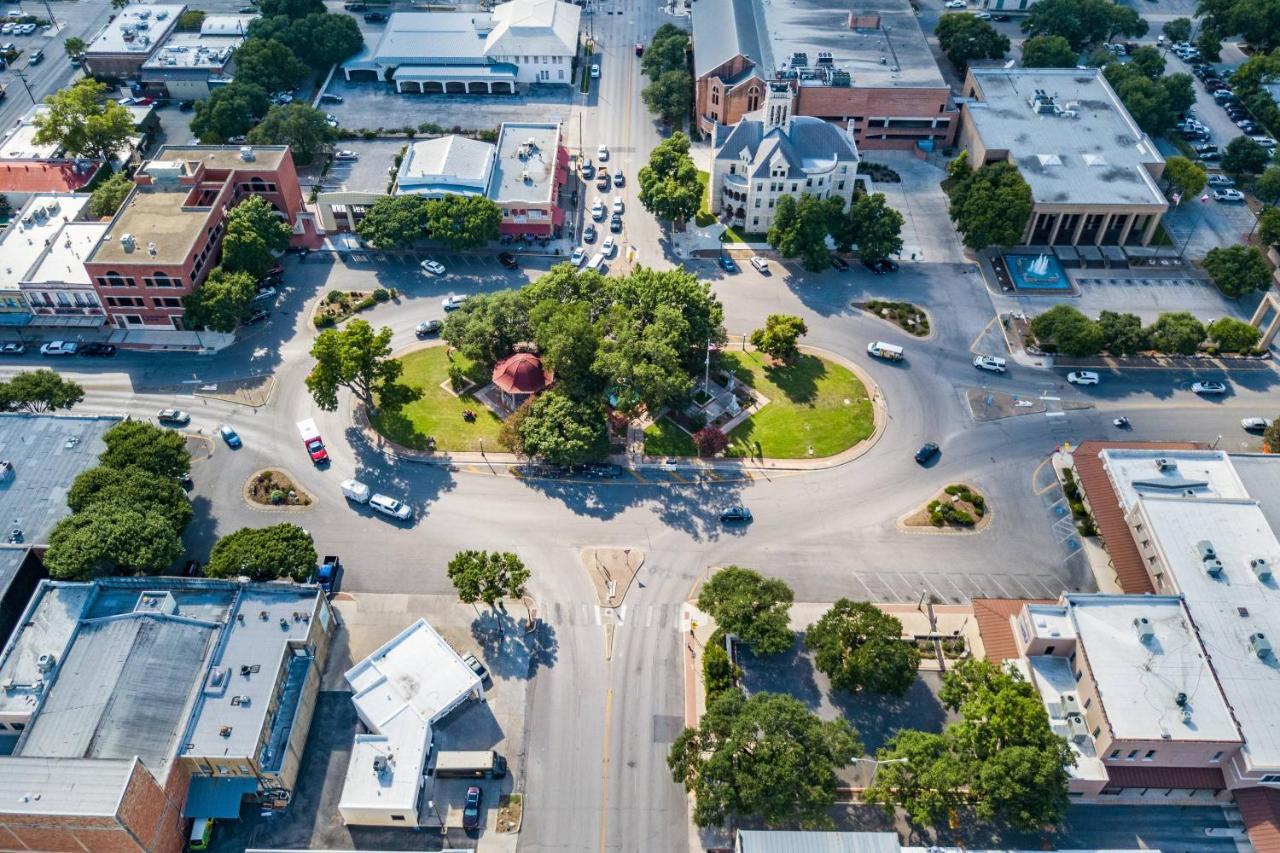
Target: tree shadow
{"x":417,"y":484}
{"x":798,"y":379}
{"x":790,"y":672}
{"x":877,"y":717}
{"x":509,"y":650}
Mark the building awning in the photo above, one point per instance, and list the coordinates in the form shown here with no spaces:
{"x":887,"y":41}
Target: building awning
{"x":1260,"y":811}
{"x":422,"y":73}
{"x":1184,"y":778}
{"x":218,"y":797}
{"x":78,"y":321}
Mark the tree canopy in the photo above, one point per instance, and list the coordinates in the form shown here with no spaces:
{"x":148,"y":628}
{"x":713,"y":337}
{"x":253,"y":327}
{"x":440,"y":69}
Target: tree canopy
{"x":222,"y":302}
{"x":1238,"y":269}
{"x":780,"y":336}
{"x":964,"y":37}
{"x":560,"y":430}
{"x":463,"y":222}
{"x":1184,"y":177}
{"x":767,"y":759}
{"x":144,"y":445}
{"x":1243,"y":156}
{"x":1269,"y":226}
{"x":990,"y":206}
{"x":1154,"y":104}
{"x":669,"y":185}
{"x":359,"y":359}
{"x":800,"y":227}
{"x":1267,"y":186}
{"x":230,"y":110}
{"x":1122,"y":333}
{"x":1083,"y":22}
{"x":1232,"y":335}
{"x":750,"y":606}
{"x":394,"y":222}
{"x":1178,"y":29}
{"x":83,"y":123}
{"x":1177,"y":332}
{"x":870,"y":224}
{"x":320,"y":39}
{"x":301,"y":127}
{"x":1257,"y":21}
{"x":264,"y":554}
{"x":488,"y":576}
{"x":113,"y":538}
{"x":109,"y":195}
{"x":133,"y":487}
{"x":41,"y":390}
{"x":667,"y":50}
{"x":253,"y":233}
{"x":270,"y":64}
{"x":1049,"y":51}
{"x":670,"y":95}
{"x":1068,"y":330}
{"x":1001,"y":759}
{"x":860,"y":647}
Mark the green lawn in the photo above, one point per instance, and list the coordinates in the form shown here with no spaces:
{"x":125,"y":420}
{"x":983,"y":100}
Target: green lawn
{"x":806,"y":408}
{"x":705,"y":216}
{"x":731,"y":235}
{"x":664,"y":438}
{"x":437,"y":413}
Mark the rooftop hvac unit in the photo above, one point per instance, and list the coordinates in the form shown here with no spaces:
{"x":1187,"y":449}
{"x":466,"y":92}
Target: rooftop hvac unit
{"x":127,"y":242}
{"x":1180,"y":699}
{"x":1071,"y":705}
{"x":524,"y":176}
{"x":1164,"y":464}
{"x":1078,"y":727}
{"x":1146,"y":631}
{"x":1213,"y":568}
{"x":1184,"y":714}
{"x":799,"y":60}
{"x":246,"y":153}
{"x":45,"y":663}
{"x":1261,"y":568}
{"x":381,"y":764}
{"x":532,"y":143}
{"x":151,"y":249}
{"x":1206,"y":549}
{"x":825,"y":58}
{"x":1261,"y":645}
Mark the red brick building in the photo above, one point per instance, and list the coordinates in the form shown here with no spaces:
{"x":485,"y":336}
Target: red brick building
{"x":167,"y":236}
{"x":849,"y":62}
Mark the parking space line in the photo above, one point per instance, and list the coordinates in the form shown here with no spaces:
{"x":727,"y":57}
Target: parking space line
{"x":634,"y":473}
{"x":673,"y":475}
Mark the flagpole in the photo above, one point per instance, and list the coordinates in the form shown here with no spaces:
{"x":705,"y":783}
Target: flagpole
{"x":1203,"y":200}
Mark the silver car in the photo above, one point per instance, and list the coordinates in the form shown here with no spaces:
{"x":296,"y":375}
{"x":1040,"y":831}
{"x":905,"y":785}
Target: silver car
{"x":391,"y":507}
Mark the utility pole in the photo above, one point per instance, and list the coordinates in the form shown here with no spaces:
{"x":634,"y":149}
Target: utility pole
{"x":23,"y":78}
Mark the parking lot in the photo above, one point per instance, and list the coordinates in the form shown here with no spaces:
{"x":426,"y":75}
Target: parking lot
{"x":1147,"y":295}
{"x":374,"y":105}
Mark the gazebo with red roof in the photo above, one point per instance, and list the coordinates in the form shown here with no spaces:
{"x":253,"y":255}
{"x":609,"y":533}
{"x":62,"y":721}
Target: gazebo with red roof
{"x":518,"y":377}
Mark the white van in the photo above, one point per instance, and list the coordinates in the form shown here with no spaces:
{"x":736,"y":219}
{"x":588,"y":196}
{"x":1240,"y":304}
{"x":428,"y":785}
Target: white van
{"x":354,"y":490}
{"x":886,"y":351}
{"x":596,"y":262}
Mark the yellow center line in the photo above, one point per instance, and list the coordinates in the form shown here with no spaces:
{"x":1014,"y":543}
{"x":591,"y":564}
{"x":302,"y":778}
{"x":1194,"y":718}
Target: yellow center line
{"x":604,"y":771}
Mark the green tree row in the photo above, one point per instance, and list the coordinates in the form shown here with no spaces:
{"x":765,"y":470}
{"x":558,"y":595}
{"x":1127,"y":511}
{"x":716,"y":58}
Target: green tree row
{"x":457,"y":221}
{"x":801,"y":226}
{"x":666,"y":63}
{"x":1064,"y":329}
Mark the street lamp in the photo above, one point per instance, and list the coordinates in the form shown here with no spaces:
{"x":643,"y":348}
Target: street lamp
{"x":876,"y":765}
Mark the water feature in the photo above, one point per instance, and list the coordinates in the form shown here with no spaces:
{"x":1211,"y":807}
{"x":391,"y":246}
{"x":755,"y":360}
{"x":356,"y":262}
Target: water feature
{"x":1036,"y":272}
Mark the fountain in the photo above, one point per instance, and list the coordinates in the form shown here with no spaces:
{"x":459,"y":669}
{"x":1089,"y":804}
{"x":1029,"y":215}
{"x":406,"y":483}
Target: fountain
{"x":1041,"y":272}
{"x":1039,"y":267}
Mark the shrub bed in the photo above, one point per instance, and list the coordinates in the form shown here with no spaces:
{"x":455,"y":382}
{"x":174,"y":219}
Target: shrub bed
{"x":338,"y":305}
{"x":910,"y":318}
{"x":274,"y":488}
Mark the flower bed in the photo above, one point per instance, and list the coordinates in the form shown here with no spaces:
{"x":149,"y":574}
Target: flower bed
{"x":338,"y":305}
{"x":274,"y":488}
{"x":910,"y":318}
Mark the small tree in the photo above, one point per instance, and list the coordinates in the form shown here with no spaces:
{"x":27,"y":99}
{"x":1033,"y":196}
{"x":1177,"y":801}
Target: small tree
{"x":487,"y":576}
{"x":710,"y":441}
{"x":1071,"y":332}
{"x":1178,"y":332}
{"x":230,"y":110}
{"x":463,"y":222}
{"x":74,"y":46}
{"x":562,"y":431}
{"x":1184,"y":177}
{"x":254,"y":234}
{"x":222,"y":302}
{"x":1267,"y":186}
{"x":750,"y":606}
{"x":964,"y":38}
{"x":109,"y":195}
{"x":1048,"y":52}
{"x":1238,"y":269}
{"x":131,"y":487}
{"x":1243,"y":156}
{"x":800,"y":227}
{"x":780,"y":336}
{"x":111,"y":539}
{"x":1122,"y":334}
{"x":1232,"y":335}
{"x":669,"y":185}
{"x":670,"y":95}
{"x":1209,"y":43}
{"x":394,"y":222}
{"x":1179,"y":29}
{"x":991,"y":205}
{"x":83,"y":123}
{"x":860,"y":647}
{"x":264,"y":554}
{"x":871,"y":225}
{"x":1269,"y":226}
{"x":144,"y":445}
{"x":718,"y":672}
{"x":358,"y":359}
{"x":303,"y":128}
{"x":39,"y":391}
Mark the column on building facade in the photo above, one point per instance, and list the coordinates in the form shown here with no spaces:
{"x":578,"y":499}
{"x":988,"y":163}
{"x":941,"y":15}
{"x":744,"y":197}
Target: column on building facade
{"x":1102,"y":229}
{"x":1150,"y":232}
{"x":1128,"y":226}
{"x":1030,"y":230}
{"x":1057,"y":225}
{"x":1075,"y":237}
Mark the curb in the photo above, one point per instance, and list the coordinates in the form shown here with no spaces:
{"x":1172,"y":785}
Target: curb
{"x":257,"y":507}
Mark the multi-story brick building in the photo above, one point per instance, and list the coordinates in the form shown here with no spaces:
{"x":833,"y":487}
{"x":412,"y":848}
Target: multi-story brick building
{"x":138,"y":703}
{"x":130,"y":38}
{"x":852,"y":62}
{"x":167,"y":235}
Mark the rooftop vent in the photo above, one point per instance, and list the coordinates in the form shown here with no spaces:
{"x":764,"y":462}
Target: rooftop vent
{"x":1071,"y":705}
{"x":841,"y":79}
{"x":1185,"y":714}
{"x":1261,"y":568}
{"x":1242,"y":611}
{"x":242,"y":701}
{"x":799,"y":60}
{"x":225,"y":731}
{"x":1180,"y":699}
{"x":1146,"y":631}
{"x":45,"y":663}
{"x":246,"y":153}
{"x":1165,"y":464}
{"x":127,"y":242}
{"x":1207,"y":552}
{"x":1078,"y":727}
{"x":825,"y":58}
{"x":284,"y":624}
{"x":1042,"y":102}
{"x":1261,"y":645}
{"x":524,"y":176}
{"x":151,"y":249}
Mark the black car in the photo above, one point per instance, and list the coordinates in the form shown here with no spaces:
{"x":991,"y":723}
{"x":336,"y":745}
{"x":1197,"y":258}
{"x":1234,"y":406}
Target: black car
{"x":355,"y":7}
{"x":98,"y":349}
{"x":1002,"y":18}
{"x":736,"y":513}
{"x":257,"y":317}
{"x":881,"y":266}
{"x":926,"y":453}
{"x":186,"y":106}
{"x":615,"y":224}
{"x":508,"y":260}
{"x":428,"y":328}
{"x":471,"y":808}
{"x":589,"y":233}
{"x":839,"y":263}
{"x":375,"y":17}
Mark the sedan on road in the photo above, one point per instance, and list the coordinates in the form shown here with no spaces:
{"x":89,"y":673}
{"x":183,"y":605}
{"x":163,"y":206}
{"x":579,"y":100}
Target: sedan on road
{"x":471,"y":808}
{"x":927,"y":452}
{"x":99,"y":350}
{"x":1082,"y":377}
{"x":1255,"y":424}
{"x":1209,"y":388}
{"x":955,"y":4}
{"x":578,"y":257}
{"x":230,"y":436}
{"x":453,"y":302}
{"x":727,"y":264}
{"x":990,"y":362}
{"x":13,"y":348}
{"x":59,"y":348}
{"x":1219,"y":181}
{"x":736,"y":514}
{"x":433,"y":267}
{"x":508,"y":260}
{"x":839,"y":263}
{"x":173,"y":417}
{"x":1228,"y":195}
{"x":881,"y":267}
{"x":428,"y":328}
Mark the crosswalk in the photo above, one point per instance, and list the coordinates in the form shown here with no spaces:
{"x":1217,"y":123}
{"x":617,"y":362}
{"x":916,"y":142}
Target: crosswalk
{"x":657,"y":617}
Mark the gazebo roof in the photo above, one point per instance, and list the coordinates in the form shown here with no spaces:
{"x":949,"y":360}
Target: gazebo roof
{"x":521,"y":373}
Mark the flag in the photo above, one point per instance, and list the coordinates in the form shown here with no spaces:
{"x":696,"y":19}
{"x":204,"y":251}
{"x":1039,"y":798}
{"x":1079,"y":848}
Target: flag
{"x":1204,"y":198}
{"x":1176,"y":198}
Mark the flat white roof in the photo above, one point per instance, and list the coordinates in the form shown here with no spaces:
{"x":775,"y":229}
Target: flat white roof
{"x":1053,"y":679}
{"x":20,"y":141}
{"x":1228,"y":610}
{"x":1184,"y":474}
{"x":400,"y":690}
{"x":33,"y":231}
{"x":210,"y":48}
{"x":1051,"y":621}
{"x":138,"y":28}
{"x":1140,"y":681}
{"x":448,"y":164}
{"x":64,"y":264}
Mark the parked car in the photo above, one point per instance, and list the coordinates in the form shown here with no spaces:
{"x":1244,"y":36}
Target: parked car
{"x":427,"y":328}
{"x":1255,"y":424}
{"x":476,"y":666}
{"x":375,"y":17}
{"x":98,"y":350}
{"x":1228,"y":195}
{"x":230,"y":436}
{"x":882,"y":266}
{"x":597,"y":209}
{"x":602,"y":152}
{"x":59,"y":348}
{"x":618,"y":178}
{"x":345,"y":154}
{"x":1001,"y":18}
{"x":615,"y":224}
{"x":839,"y":263}
{"x":739,"y":514}
{"x":173,"y":417}
{"x":760,"y":264}
{"x":257,"y":316}
{"x":1082,"y":377}
{"x":602,"y":181}
{"x":36,"y":57}
{"x":1209,"y":388}
{"x":588,"y":170}
{"x":471,"y":808}
{"x":618,"y":206}
{"x":595,"y":72}
{"x":955,"y":4}
{"x":578,"y":256}
{"x":993,"y":363}
{"x":13,"y":348}
{"x":330,"y":98}
{"x":927,"y":452}
{"x":608,"y":246}
{"x":453,"y":302}
{"x":1219,"y":181}
{"x":391,"y":507}
{"x":186,"y":106}
{"x":639,"y":49}
{"x":727,"y":264}
{"x":433,"y":267}
{"x":589,"y":233}
{"x":355,"y":6}
{"x":985,"y":16}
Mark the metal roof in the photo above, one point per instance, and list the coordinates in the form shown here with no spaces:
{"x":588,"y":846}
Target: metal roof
{"x":62,"y":786}
{"x":780,"y":841}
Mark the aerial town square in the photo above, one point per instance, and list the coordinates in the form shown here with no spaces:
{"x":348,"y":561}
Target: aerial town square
{"x":640,"y":426}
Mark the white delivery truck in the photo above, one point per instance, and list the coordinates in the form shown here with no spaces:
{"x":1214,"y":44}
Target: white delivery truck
{"x":886,"y":351}
{"x":354,"y":490}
